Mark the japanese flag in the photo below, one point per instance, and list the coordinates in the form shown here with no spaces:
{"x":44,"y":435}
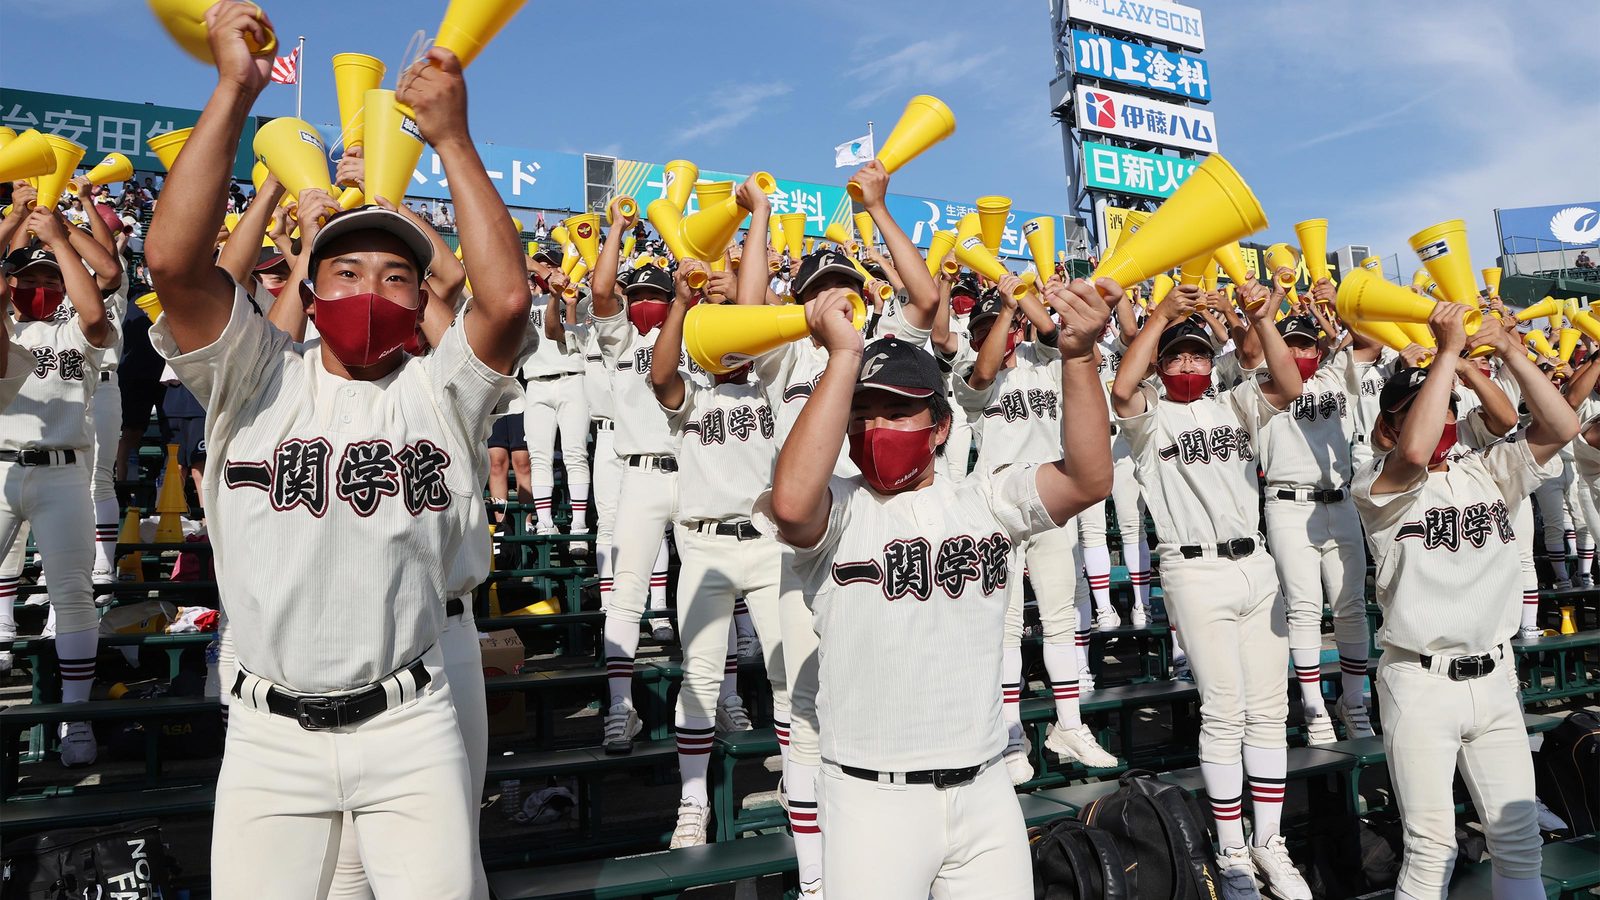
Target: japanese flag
{"x":854,"y":152}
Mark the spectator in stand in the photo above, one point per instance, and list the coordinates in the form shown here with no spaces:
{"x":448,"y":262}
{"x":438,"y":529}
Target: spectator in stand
{"x":75,"y":213}
{"x":1584,"y":262}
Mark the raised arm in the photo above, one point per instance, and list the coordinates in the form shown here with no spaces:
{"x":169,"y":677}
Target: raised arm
{"x":498,"y":317}
{"x":922,"y":297}
{"x":82,"y":291}
{"x":1424,"y":423}
{"x":943,"y":339}
{"x":447,"y":275}
{"x":196,"y":296}
{"x":1582,"y":383}
{"x":754,"y":278}
{"x":239,"y":254}
{"x":991,"y":355}
{"x":1082,"y":476}
{"x":1283,"y":382}
{"x":1126,"y":397}
{"x":665,"y":380}
{"x":603,"y":283}
{"x":1554,"y":420}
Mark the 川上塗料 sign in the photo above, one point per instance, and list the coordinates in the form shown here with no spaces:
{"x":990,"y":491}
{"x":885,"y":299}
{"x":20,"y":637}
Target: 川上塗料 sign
{"x":1150,"y":68}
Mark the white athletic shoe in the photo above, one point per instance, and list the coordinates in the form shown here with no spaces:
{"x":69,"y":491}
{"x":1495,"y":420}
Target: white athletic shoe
{"x":1085,"y":681}
{"x":78,"y":746}
{"x":1018,"y":764}
{"x":662,"y":632}
{"x":1079,"y":744}
{"x":1139,"y":615}
{"x":1319,"y":730}
{"x":5,"y":661}
{"x":731,"y":716}
{"x":1584,"y":581}
{"x":622,"y":726}
{"x":691,"y":830}
{"x":1530,"y":632}
{"x":1238,"y":873}
{"x":1277,"y":870}
{"x":1357,"y":724}
{"x":1181,"y":670}
{"x":1107,"y":619}
{"x":749,"y":646}
{"x":100,"y":577}
{"x":578,"y":548}
{"x":1548,"y":820}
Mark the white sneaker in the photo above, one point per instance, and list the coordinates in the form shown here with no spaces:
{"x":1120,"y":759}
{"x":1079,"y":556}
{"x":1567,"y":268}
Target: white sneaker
{"x":99,"y":577}
{"x":5,"y":661}
{"x":1319,"y":730}
{"x":78,"y":746}
{"x":1278,"y":871}
{"x":1139,"y":615}
{"x":1018,"y":764}
{"x":749,"y":646}
{"x":691,"y":830}
{"x":1238,"y":873}
{"x":1181,"y":670}
{"x":1548,"y":820}
{"x":731,"y":716}
{"x":622,"y":726}
{"x":662,"y":632}
{"x":578,"y":548}
{"x":1079,"y":744}
{"x":1085,"y":681}
{"x":1584,"y":581}
{"x":1530,"y":633}
{"x":1357,"y":724}
{"x":1107,"y":619}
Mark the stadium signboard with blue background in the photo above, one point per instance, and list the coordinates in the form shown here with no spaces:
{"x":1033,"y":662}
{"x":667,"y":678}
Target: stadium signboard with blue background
{"x":1169,"y":23}
{"x":1563,"y":226}
{"x":1137,"y":65}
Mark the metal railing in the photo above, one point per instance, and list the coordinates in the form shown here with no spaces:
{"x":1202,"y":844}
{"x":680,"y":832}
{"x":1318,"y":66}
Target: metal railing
{"x":1544,"y":258}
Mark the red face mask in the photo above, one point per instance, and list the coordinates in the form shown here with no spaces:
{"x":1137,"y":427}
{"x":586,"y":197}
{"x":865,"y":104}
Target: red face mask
{"x":1185,"y":387}
{"x":647,"y":315}
{"x":36,"y":304}
{"x":961,"y":304}
{"x":1307,"y":366}
{"x":362,"y":329}
{"x":1447,"y":440}
{"x":740,"y":375}
{"x":891,"y":460}
{"x":276,"y":291}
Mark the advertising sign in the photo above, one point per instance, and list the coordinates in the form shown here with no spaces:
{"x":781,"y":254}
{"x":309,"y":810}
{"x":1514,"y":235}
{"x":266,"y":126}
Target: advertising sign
{"x":1139,"y":119}
{"x":1169,"y":23}
{"x":1150,"y":68}
{"x":1564,"y":226}
{"x":1127,"y":171}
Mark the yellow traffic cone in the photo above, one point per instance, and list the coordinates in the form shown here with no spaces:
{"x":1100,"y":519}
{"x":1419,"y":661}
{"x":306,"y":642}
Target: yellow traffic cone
{"x":680,"y":177}
{"x":68,"y":154}
{"x":1313,"y":236}
{"x":865,"y":230}
{"x":129,"y":566}
{"x":1443,"y":250}
{"x":29,"y":155}
{"x":1368,"y":297}
{"x":1491,"y":280}
{"x":1209,"y":209}
{"x":992,"y":214}
{"x":1040,"y":233}
{"x":794,"y":233}
{"x":170,"y":503}
{"x":1549,"y":306}
{"x":294,"y":153}
{"x":708,"y":192}
{"x":926,"y":121}
{"x":185,"y":21}
{"x":469,"y":25}
{"x":939,"y":246}
{"x":353,"y":75}
{"x":722,"y":338}
{"x":115,"y":167}
{"x":585,"y":231}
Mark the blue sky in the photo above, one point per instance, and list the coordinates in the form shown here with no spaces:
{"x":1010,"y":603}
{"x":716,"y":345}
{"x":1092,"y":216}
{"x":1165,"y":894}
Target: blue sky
{"x":1382,"y":116}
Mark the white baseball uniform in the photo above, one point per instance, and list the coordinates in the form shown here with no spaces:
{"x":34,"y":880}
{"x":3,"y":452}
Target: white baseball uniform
{"x":1364,"y":410}
{"x":956,"y":461}
{"x":105,"y":408}
{"x":1580,"y":500}
{"x":555,"y":400}
{"x":19,"y":366}
{"x":310,"y":467}
{"x":1447,"y":582}
{"x":1474,"y":433}
{"x":908,"y":593}
{"x":606,"y":468}
{"x":1125,"y":499}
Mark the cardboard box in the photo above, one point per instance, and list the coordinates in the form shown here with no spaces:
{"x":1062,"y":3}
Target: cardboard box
{"x":503,"y":654}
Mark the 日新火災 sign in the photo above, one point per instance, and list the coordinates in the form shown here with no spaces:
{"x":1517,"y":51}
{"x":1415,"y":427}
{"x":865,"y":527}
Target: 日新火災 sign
{"x":1125,"y":171}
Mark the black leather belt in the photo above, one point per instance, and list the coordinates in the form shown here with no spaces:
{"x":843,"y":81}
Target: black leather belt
{"x":743,"y":530}
{"x":1313,"y":494}
{"x":1463,"y":668}
{"x":321,"y":713}
{"x":454,"y":607}
{"x":941,"y":778}
{"x":39,"y":457}
{"x":651,"y":461}
{"x":105,"y":375}
{"x":552,"y":377}
{"x":605,"y":425}
{"x":1238,"y":548}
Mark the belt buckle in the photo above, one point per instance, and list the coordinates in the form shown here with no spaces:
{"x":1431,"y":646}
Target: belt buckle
{"x":320,"y":713}
{"x":1466,"y":668}
{"x":948,"y":778}
{"x":1240,"y":547}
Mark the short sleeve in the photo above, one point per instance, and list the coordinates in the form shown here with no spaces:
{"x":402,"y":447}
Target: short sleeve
{"x":1381,"y":512}
{"x":1139,"y":428}
{"x":1014,"y":500}
{"x":841,"y":491}
{"x":467,"y":389}
{"x":1515,"y":472}
{"x":772,"y":369}
{"x":223,"y":375}
{"x":967,"y":396}
{"x":693,"y":392}
{"x":611,"y":333}
{"x":1251,"y":404}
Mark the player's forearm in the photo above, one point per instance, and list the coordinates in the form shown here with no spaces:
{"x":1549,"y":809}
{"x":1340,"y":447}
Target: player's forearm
{"x":1554,"y":421}
{"x":892,"y":274}
{"x":603,"y":283}
{"x":1284,"y":382}
{"x":555,"y":307}
{"x":107,"y":268}
{"x":239,"y":254}
{"x":447,"y":274}
{"x":1083,"y":474}
{"x":1583,"y":382}
{"x":500,"y":296}
{"x":288,"y":315}
{"x":184,"y":230}
{"x":991,"y":355}
{"x":101,"y":232}
{"x":664,"y":378}
{"x":1038,"y":316}
{"x":754,"y":279}
{"x":1136,"y":364}
{"x":806,"y":461}
{"x":1499,"y":416}
{"x":84,"y":294}
{"x":922,"y":296}
{"x":1425,"y":422}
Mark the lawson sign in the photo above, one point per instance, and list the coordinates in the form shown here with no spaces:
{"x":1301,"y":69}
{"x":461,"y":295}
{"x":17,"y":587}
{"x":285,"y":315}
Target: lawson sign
{"x":1150,"y":68}
{"x":1564,"y":226}
{"x":1169,"y":23}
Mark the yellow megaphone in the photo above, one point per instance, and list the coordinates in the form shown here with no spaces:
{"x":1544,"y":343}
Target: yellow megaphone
{"x":885,"y":289}
{"x":1040,"y":233}
{"x":392,"y":145}
{"x":1539,"y":343}
{"x":68,"y":154}
{"x":560,"y":236}
{"x":151,"y":304}
{"x":166,"y":146}
{"x":1231,"y":258}
{"x":668,"y":222}
{"x":939,"y":246}
{"x":1313,"y":236}
{"x":585,"y":231}
{"x":835,"y":232}
{"x":579,"y":269}
{"x":1132,"y":221}
{"x":810,"y":244}
{"x":1209,"y":209}
{"x":974,"y":255}
{"x":469,"y":25}
{"x":1443,"y":251}
{"x":722,"y":338}
{"x":1370,"y":298}
{"x":115,"y":167}
{"x":1193,"y":271}
{"x":926,"y":121}
{"x":1491,"y":280}
{"x":29,"y":155}
{"x":865,"y":230}
{"x":1373,"y":264}
{"x":708,"y":232}
{"x":794,"y":233}
{"x":185,"y":21}
{"x":708,"y":192}
{"x":231,"y":221}
{"x":569,"y":259}
{"x":294,"y":153}
{"x":626,"y":205}
{"x":628,"y":240}
{"x":1566,"y":342}
{"x":1388,"y":334}
{"x":1585,"y":321}
{"x":353,"y":75}
{"x":992,"y":214}
{"x":1159,"y":291}
{"x":680,"y":175}
{"x":1549,"y":306}
{"x":775,"y":238}
{"x":1213,"y":276}
{"x":1281,"y":256}
{"x":7,"y":135}
{"x":1418,"y":334}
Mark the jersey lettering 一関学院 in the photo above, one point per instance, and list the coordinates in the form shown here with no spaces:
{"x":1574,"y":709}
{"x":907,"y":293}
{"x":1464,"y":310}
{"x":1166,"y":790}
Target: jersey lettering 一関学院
{"x":910,"y":568}
{"x":1197,"y":445}
{"x":1448,"y":526}
{"x":367,"y":471}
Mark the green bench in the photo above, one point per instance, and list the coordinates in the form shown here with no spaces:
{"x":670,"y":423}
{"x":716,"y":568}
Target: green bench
{"x":542,"y":685}
{"x":1570,"y":869}
{"x":1570,"y":661}
{"x":14,"y":720}
{"x":583,"y":764}
{"x":573,"y":623}
{"x":655,"y":876}
{"x":100,"y":807}
{"x":1124,"y":701}
{"x":155,"y":590}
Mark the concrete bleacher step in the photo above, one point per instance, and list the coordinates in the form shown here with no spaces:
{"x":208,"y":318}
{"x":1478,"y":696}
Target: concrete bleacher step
{"x":665,"y":873}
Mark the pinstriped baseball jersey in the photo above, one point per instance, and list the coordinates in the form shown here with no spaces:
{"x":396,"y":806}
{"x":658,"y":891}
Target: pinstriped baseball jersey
{"x":1021,"y":409}
{"x":596,"y":373}
{"x":1371,"y":376}
{"x":1309,"y":445}
{"x":19,"y":368}
{"x":51,"y":410}
{"x":726,"y":452}
{"x":1586,"y":459}
{"x":793,"y":370}
{"x":550,"y":357}
{"x":908,"y":594}
{"x":343,"y":513}
{"x":1449,"y":576}
{"x":641,"y":423}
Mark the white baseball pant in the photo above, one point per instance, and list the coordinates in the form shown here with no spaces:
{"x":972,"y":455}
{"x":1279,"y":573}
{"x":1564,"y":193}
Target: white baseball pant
{"x":283,"y":792}
{"x":105,"y":410}
{"x":1319,"y":551}
{"x":1585,"y":523}
{"x":551,"y":405}
{"x":55,"y":502}
{"x":1551,"y":495}
{"x":1054,"y":562}
{"x":1433,"y":725}
{"x":1522,"y":526}
{"x":10,"y":579}
{"x":801,"y":767}
{"x":1128,"y":501}
{"x":607,"y":475}
{"x":913,"y":842}
{"x":1235,"y":630}
{"x":649,"y":497}
{"x":716,"y":570}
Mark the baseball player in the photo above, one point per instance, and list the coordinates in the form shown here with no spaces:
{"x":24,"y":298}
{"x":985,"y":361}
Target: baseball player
{"x":1014,"y":383}
{"x":1439,"y":522}
{"x":329,"y":452}
{"x":1312,"y":525}
{"x":953,"y":348}
{"x":555,"y":401}
{"x":906,"y":575}
{"x":1195,"y":458}
{"x":45,"y":441}
{"x":16,"y":363}
{"x":1583,"y":396}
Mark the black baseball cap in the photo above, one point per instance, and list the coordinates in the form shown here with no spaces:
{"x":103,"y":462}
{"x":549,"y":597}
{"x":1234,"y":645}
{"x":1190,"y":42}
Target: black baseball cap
{"x":1186,"y":332}
{"x":966,"y":283}
{"x":269,"y":258}
{"x":550,"y":256}
{"x":820,"y":263}
{"x":1402,"y":388}
{"x":28,"y":257}
{"x":1301,"y":326}
{"x":987,"y":307}
{"x":375,"y":218}
{"x":890,"y":364}
{"x":651,"y":276}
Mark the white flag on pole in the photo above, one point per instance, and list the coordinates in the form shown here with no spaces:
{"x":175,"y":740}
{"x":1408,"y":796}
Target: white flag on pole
{"x":854,"y":152}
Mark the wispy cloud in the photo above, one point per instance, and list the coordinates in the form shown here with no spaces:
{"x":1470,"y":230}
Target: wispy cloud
{"x":728,"y":109}
{"x":922,"y":65}
{"x":1370,"y":123}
